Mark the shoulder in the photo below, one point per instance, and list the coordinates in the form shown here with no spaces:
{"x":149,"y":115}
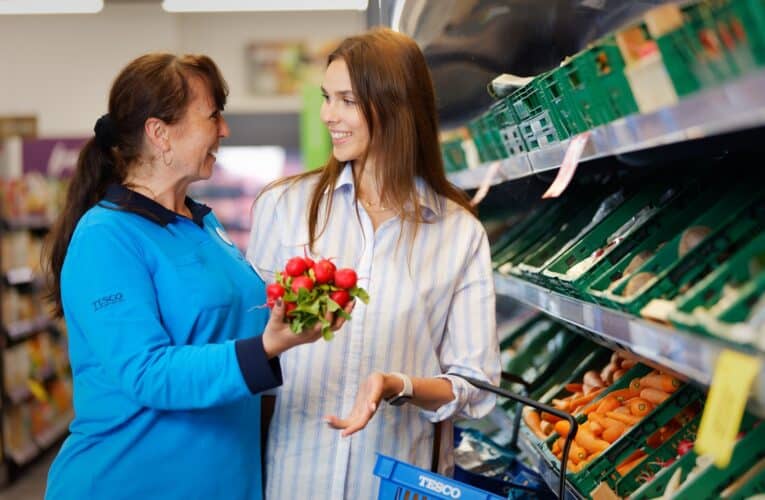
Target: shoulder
{"x":104,"y":225}
{"x":454,"y":214}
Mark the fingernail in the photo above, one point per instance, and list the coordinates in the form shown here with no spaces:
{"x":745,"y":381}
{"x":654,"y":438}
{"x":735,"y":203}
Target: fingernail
{"x":279,"y":302}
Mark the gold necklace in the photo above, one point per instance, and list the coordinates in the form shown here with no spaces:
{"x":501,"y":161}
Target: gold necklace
{"x":373,"y":207}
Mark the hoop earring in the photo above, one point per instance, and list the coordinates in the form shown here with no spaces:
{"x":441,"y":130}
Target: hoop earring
{"x":165,"y":160}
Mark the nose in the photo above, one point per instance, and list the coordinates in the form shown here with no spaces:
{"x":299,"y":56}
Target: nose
{"x":223,"y":130}
{"x":327,"y":112}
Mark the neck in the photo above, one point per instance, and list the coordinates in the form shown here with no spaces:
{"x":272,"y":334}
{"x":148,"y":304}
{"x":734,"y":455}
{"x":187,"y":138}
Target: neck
{"x":168,"y":193}
{"x":366,"y":183}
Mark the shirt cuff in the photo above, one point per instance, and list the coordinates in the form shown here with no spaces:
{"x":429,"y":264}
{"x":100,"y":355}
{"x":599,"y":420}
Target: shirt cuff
{"x":259,"y":372}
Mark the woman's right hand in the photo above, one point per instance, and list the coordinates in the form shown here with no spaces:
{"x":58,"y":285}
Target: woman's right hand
{"x":278,"y":337}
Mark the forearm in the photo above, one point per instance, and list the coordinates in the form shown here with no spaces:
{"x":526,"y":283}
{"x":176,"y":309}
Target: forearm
{"x":428,"y":393}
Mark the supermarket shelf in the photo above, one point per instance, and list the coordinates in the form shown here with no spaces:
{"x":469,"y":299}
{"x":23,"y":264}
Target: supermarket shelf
{"x":735,"y":106}
{"x":20,"y":276}
{"x":685,"y":353}
{"x":22,"y":330}
{"x":551,"y":476}
{"x":24,"y":455}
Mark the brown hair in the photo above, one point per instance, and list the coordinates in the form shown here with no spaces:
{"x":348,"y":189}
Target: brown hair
{"x":153,"y":85}
{"x":394,"y":89}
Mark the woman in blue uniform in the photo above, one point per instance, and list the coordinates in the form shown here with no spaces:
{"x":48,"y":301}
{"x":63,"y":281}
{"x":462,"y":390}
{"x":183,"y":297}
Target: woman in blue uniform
{"x":168,"y":351}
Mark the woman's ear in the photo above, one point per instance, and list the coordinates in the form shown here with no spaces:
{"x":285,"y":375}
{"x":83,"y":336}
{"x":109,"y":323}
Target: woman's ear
{"x":157,"y":133}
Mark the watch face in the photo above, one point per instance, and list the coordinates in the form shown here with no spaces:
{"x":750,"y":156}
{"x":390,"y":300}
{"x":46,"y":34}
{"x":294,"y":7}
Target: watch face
{"x":398,"y":400}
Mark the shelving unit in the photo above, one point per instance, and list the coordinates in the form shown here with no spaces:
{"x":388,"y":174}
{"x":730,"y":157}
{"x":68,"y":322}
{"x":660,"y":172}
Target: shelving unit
{"x":687,"y":354}
{"x":732,"y":107}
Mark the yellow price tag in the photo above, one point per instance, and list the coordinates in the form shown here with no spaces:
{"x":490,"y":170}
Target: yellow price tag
{"x":734,"y":373}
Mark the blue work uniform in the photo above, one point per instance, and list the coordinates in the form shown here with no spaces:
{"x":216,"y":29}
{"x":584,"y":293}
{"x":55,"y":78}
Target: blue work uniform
{"x":166,"y":355}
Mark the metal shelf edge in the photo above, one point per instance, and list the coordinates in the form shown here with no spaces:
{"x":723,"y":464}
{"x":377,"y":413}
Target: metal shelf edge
{"x":734,"y":106}
{"x":689,"y":354}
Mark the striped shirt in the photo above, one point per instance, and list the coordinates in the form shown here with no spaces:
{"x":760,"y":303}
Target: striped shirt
{"x":431,"y":313}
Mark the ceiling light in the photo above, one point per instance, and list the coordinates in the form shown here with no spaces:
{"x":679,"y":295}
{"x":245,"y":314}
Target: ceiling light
{"x":50,"y":6}
{"x":259,"y":5}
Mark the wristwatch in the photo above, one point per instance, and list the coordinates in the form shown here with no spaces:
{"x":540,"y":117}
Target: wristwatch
{"x":406,"y":393}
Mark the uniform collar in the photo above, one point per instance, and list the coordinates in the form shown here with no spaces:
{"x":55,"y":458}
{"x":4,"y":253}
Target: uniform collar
{"x":426,"y":197}
{"x":139,"y":204}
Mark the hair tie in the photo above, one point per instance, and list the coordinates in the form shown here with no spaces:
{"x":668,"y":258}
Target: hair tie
{"x":106,"y":136}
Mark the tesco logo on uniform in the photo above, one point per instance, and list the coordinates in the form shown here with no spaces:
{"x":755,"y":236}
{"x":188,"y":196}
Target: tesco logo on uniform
{"x":439,"y":487}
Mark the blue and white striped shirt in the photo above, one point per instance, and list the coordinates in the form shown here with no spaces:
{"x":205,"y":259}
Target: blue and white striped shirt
{"x":431,"y":313}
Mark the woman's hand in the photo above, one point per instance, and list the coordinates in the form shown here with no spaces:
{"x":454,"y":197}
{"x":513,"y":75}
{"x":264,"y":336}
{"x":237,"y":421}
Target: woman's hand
{"x":371,"y":392}
{"x":278,"y":337}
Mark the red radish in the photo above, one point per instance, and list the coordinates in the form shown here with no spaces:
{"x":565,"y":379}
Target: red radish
{"x":302,"y":282}
{"x":274,"y":291}
{"x":341,"y":297}
{"x":324,"y":271}
{"x":295,"y":267}
{"x":345,"y":278}
{"x":684,"y":447}
{"x":289,"y":307}
{"x":308,"y":261}
{"x":270,"y":303}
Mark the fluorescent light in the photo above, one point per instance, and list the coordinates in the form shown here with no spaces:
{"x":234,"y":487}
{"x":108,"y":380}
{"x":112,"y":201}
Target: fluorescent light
{"x":260,"y":5}
{"x":50,"y":6}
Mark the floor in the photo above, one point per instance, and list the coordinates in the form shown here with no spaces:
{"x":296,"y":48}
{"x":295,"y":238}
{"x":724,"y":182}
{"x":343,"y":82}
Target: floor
{"x":31,"y":485}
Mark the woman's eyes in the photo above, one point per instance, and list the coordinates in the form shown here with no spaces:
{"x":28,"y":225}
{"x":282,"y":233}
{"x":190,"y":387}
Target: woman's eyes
{"x":346,"y":100}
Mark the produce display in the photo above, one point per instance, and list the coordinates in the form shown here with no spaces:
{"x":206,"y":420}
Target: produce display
{"x":312,"y":291}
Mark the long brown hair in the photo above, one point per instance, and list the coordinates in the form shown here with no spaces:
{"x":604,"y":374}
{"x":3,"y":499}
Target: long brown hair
{"x":394,"y":89}
{"x":153,"y":85}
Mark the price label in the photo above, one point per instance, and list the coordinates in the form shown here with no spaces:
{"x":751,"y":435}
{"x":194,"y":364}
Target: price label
{"x":733,"y":377}
{"x":568,"y":167}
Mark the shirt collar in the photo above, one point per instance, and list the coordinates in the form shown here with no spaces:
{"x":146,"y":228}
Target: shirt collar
{"x":425,"y":196}
{"x":139,"y":204}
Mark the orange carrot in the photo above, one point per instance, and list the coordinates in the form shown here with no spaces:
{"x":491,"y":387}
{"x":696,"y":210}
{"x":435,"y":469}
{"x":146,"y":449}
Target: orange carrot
{"x":655,"y":396}
{"x":636,"y":384}
{"x":574,"y":388}
{"x":589,"y":442}
{"x":576,"y":453}
{"x":550,"y":417}
{"x":640,"y":407}
{"x":628,"y":465}
{"x":626,"y":364}
{"x":613,"y":432}
{"x":621,"y":417}
{"x":596,"y":429}
{"x":607,"y":404}
{"x":562,"y":427}
{"x":583,"y":400}
{"x":557,"y":446}
{"x":660,"y":381}
{"x":623,"y":395}
{"x":533,"y":421}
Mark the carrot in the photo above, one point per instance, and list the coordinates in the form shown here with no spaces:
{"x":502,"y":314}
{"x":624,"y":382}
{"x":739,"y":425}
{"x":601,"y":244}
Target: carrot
{"x":562,"y":428}
{"x":596,"y":429}
{"x":583,"y":400}
{"x":625,"y":410}
{"x":621,"y":417}
{"x":576,"y":453}
{"x":557,"y":446}
{"x":636,"y":384}
{"x":589,"y":442}
{"x":593,"y":379}
{"x":623,"y":395}
{"x":607,"y":404}
{"x":572,"y":467}
{"x":627,"y":364}
{"x":613,"y":432}
{"x":640,"y":407}
{"x":533,"y":421}
{"x":561,"y":404}
{"x":574,"y":387}
{"x":550,"y":417}
{"x":662,"y":382}
{"x":547,"y":427}
{"x":655,"y":396}
{"x":628,"y":465}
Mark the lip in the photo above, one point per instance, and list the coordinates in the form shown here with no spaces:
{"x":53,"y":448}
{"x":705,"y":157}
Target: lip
{"x":341,"y":140}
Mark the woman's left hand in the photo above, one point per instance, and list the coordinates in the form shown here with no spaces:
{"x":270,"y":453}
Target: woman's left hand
{"x":367,"y":401}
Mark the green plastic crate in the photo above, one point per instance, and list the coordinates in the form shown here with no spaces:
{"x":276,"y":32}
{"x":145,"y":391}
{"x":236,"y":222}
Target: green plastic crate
{"x":509,"y":127}
{"x":601,"y":469}
{"x":539,"y":124}
{"x":454,"y":155}
{"x":751,"y":15}
{"x":734,"y":220}
{"x":702,"y":308}
{"x":558,"y":239}
{"x":666,"y":225}
{"x":648,"y":200}
{"x":557,"y":95}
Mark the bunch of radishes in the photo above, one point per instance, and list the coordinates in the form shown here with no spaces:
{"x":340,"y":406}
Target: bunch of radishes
{"x":312,"y":289}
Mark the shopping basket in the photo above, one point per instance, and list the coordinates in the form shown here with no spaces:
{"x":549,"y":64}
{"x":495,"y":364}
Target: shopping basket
{"x":399,"y":480}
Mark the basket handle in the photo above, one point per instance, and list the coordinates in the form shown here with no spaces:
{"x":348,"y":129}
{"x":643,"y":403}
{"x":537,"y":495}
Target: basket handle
{"x":574,"y":426}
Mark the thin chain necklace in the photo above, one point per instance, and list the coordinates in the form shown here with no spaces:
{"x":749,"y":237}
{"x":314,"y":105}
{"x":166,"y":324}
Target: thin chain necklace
{"x":373,"y":207}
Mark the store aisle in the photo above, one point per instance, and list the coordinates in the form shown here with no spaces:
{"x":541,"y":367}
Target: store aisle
{"x":31,"y":485}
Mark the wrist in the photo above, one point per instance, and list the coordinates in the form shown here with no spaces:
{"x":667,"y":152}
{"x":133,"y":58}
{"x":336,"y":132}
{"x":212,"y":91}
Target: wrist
{"x":271,"y":345}
{"x":392,"y":385}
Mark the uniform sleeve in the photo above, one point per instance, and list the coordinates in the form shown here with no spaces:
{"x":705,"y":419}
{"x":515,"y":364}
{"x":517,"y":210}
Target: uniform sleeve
{"x":108,"y":293}
{"x":264,"y":245}
{"x":470,"y":346}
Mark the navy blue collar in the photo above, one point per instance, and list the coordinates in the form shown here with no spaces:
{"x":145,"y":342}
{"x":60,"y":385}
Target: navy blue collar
{"x":139,"y":204}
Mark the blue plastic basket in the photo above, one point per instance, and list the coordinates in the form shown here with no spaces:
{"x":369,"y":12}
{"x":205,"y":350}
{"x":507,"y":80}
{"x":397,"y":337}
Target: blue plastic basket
{"x":400,"y":480}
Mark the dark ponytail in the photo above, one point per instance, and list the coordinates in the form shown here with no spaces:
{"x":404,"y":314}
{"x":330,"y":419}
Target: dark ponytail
{"x":154,"y":85}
